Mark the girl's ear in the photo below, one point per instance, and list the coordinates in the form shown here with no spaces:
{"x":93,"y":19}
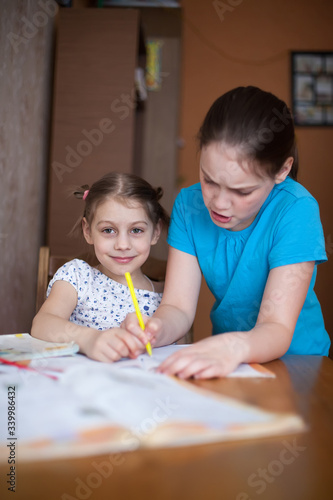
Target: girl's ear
{"x":157,"y":233}
{"x":86,"y":231}
{"x":284,"y":171}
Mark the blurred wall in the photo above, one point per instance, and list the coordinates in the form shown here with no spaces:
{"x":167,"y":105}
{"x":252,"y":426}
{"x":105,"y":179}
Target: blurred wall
{"x":248,"y":42}
{"x":25,"y":53}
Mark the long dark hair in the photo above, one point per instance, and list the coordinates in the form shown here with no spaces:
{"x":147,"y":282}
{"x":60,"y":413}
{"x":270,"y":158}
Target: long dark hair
{"x":257,"y":122}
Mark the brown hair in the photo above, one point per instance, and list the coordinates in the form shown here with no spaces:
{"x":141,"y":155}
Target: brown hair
{"x":125,"y":187}
{"x":257,"y":122}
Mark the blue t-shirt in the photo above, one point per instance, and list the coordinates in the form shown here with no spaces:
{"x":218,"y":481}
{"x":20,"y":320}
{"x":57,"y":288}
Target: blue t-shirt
{"x":236,"y":264}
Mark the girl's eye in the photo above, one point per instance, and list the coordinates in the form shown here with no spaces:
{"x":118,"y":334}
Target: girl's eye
{"x":244,"y":194}
{"x":137,"y":230}
{"x":108,"y":230}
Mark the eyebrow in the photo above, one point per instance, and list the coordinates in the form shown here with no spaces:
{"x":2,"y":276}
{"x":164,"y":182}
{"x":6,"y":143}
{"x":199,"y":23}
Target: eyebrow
{"x":239,"y":188}
{"x":114,"y":223}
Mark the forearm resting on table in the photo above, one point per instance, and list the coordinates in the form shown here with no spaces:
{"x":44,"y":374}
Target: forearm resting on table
{"x":175,"y":323}
{"x":265,"y":342}
{"x":52,"y":328}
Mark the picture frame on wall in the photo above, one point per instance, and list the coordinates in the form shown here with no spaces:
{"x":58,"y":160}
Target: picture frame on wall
{"x":312,"y":88}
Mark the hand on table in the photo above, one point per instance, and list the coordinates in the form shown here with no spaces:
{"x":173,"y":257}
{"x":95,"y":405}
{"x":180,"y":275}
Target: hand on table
{"x":215,"y":356}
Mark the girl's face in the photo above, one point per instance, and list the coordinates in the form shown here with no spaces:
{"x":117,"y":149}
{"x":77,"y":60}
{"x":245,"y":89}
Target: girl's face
{"x":233,"y":193}
{"x":122,"y":236}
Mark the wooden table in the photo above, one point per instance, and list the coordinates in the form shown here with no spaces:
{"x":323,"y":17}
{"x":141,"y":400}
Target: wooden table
{"x":295,"y":467}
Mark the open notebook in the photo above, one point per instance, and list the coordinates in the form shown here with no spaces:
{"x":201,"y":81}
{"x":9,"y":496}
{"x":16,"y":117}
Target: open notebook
{"x":95,"y":408}
{"x":22,"y":346}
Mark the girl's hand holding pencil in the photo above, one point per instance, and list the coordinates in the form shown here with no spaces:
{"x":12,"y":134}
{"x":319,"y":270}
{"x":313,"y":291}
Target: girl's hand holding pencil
{"x":111,"y":345}
{"x":132,"y":326}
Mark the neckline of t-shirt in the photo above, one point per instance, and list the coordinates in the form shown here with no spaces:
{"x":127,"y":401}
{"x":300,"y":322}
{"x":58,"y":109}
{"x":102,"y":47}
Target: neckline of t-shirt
{"x":140,"y":290}
{"x":243,"y":233}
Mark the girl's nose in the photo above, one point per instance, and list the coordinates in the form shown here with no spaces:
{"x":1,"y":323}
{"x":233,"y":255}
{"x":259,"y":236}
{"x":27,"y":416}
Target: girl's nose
{"x":122,"y":242}
{"x":222,"y":200}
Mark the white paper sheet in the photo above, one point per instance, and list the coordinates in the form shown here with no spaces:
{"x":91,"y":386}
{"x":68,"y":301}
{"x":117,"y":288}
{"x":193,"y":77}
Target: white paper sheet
{"x":146,"y":362}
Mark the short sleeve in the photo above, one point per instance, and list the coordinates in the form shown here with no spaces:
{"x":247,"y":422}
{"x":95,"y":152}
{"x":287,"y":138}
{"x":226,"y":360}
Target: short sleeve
{"x":179,"y":234}
{"x":74,"y":273}
{"x":298,"y":236}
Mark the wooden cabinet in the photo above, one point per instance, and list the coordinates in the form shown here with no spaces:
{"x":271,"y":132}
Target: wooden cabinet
{"x":93,"y":116}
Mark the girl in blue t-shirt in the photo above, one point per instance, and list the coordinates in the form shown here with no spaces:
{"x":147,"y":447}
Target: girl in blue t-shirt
{"x":255,"y":235}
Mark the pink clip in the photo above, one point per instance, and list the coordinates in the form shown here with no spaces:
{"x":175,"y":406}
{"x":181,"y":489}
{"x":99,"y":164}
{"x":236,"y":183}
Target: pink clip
{"x":85,"y":194}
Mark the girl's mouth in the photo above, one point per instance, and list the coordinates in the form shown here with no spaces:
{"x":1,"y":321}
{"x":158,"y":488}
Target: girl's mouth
{"x":123,"y":260}
{"x":220,"y":218}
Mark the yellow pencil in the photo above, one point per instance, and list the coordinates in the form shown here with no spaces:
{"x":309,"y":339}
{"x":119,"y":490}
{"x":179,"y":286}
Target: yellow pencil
{"x":136,"y":306}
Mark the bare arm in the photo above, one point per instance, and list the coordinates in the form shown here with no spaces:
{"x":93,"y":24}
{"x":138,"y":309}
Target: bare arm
{"x":52,"y":324}
{"x":283,"y":299}
{"x":52,"y":321}
{"x":175,"y":315}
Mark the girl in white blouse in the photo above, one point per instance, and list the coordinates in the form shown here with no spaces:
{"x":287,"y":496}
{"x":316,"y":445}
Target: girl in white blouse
{"x":122,"y":220}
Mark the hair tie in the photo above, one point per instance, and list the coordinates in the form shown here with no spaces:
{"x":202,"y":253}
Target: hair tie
{"x":85,"y":194}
